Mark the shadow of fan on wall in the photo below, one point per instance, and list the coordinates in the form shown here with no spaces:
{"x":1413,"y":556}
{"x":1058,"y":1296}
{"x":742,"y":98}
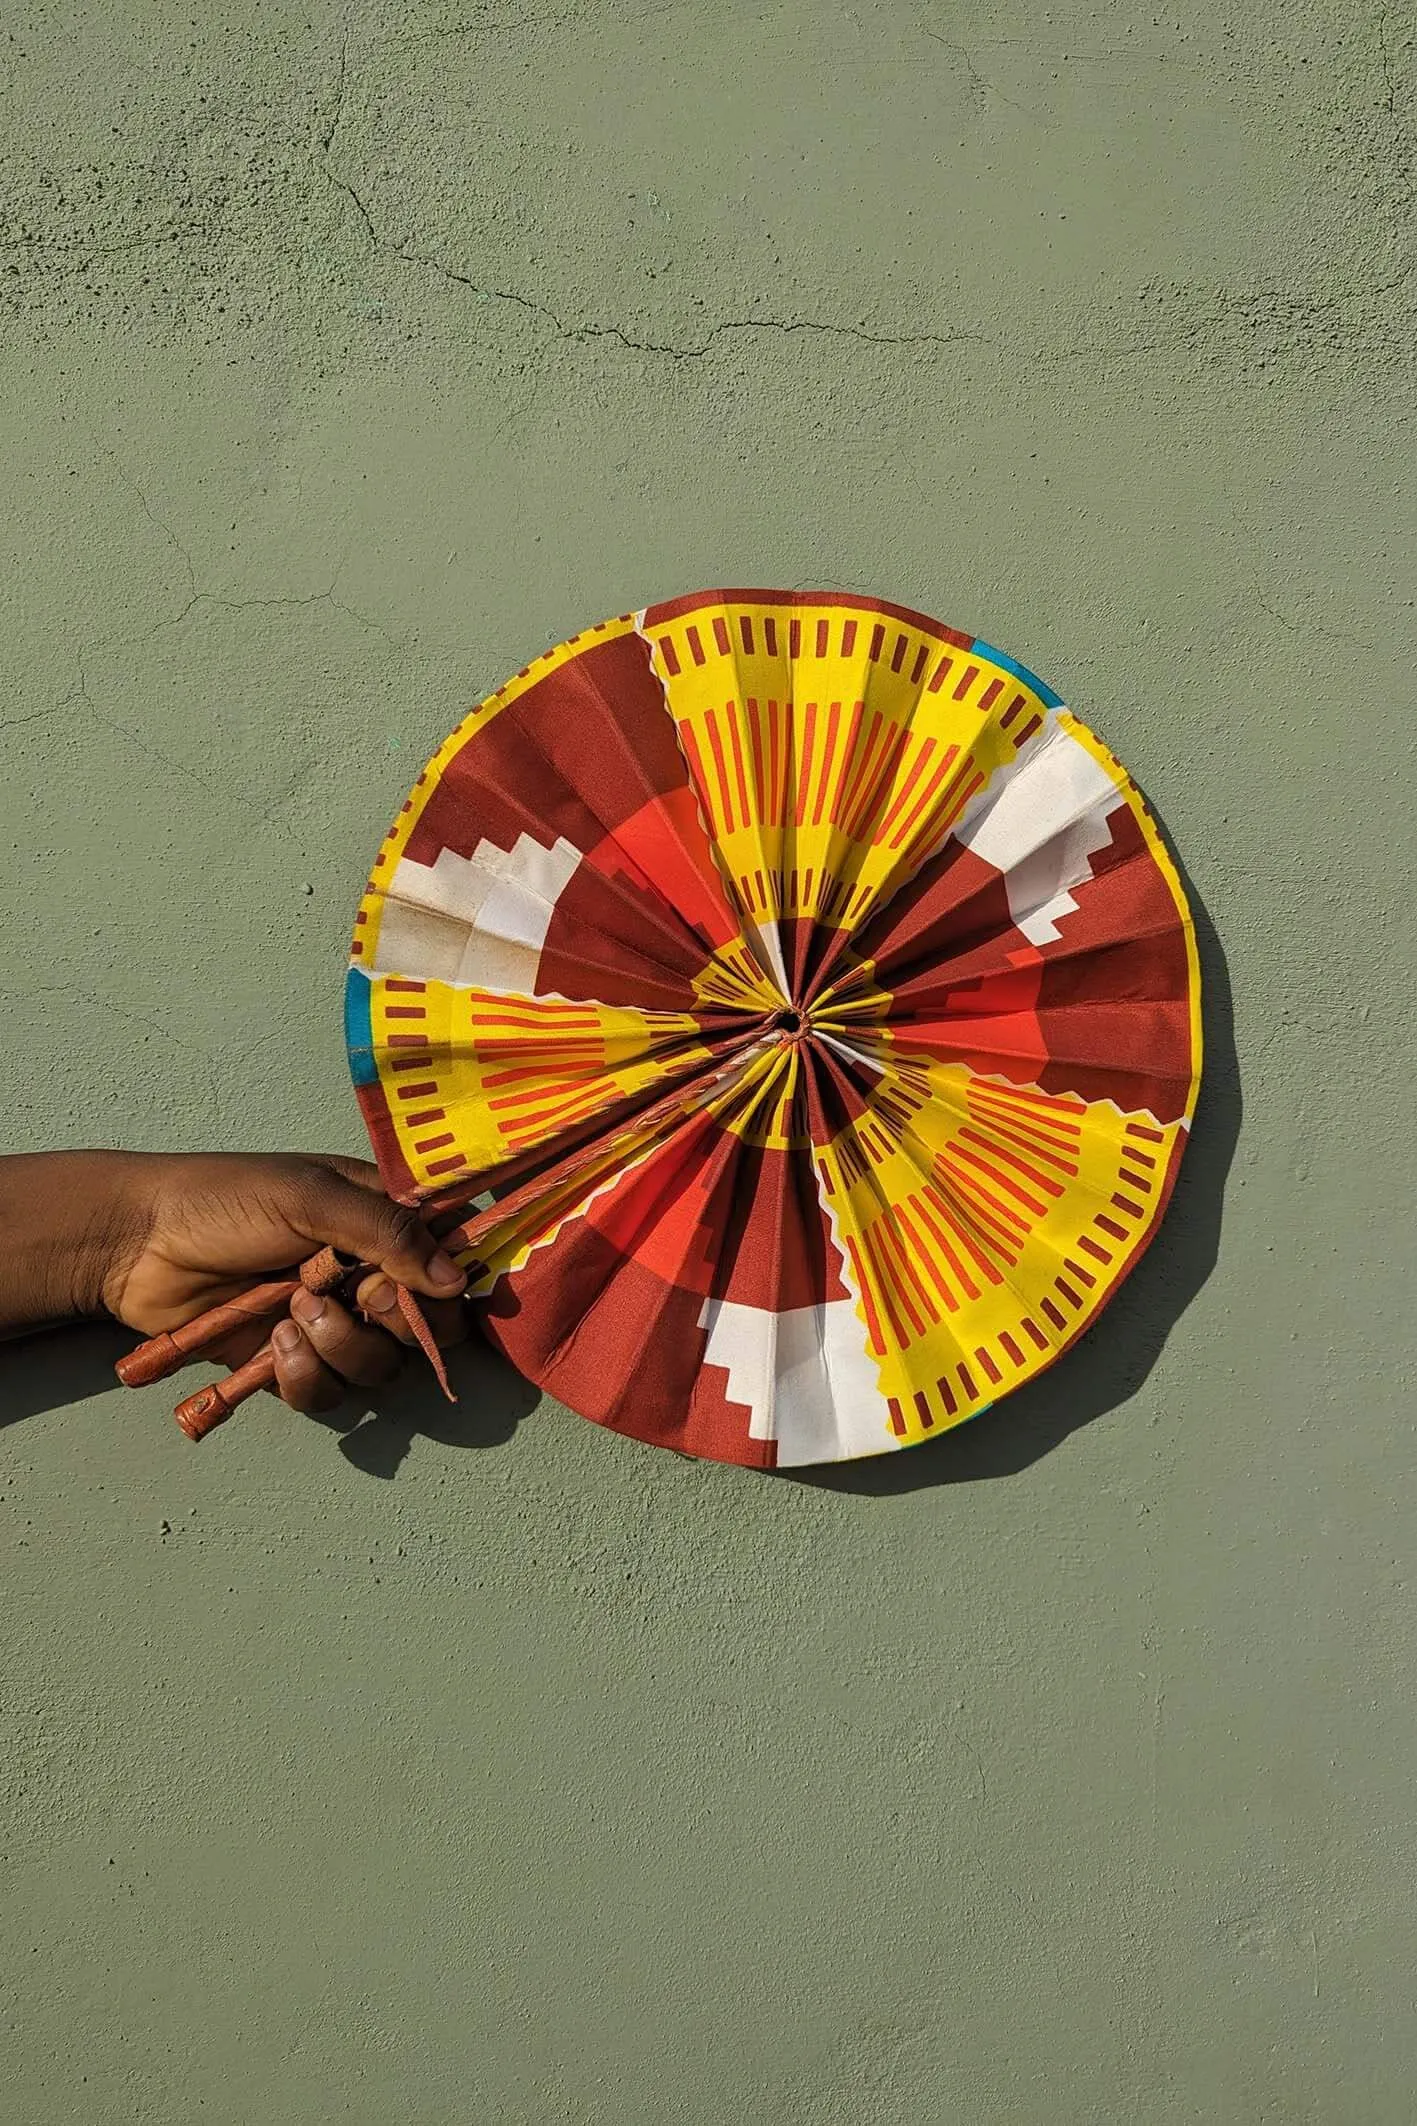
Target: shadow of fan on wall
{"x":1109,"y":1363}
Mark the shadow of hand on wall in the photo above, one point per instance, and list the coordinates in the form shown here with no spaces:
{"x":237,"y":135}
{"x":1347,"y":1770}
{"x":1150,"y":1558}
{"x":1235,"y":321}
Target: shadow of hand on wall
{"x":58,"y":1367}
{"x":1108,"y":1364}
{"x":377,"y":1427}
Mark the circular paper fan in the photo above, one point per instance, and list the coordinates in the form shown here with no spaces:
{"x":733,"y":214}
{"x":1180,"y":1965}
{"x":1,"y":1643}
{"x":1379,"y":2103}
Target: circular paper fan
{"x":816,"y":997}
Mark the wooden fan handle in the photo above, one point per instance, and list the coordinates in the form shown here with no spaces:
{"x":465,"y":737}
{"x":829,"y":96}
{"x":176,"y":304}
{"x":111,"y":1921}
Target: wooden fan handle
{"x":168,"y":1353}
{"x":212,"y":1406}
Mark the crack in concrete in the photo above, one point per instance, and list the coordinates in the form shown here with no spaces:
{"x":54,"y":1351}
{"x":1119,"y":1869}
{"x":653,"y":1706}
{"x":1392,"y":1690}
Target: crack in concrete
{"x":1313,"y":627}
{"x":148,"y":511}
{"x":101,"y":1003}
{"x":197,"y":597}
{"x":1295,"y":627}
{"x":1187,"y":334}
{"x":778,"y":324}
{"x":1401,"y":153}
{"x":580,"y":334}
{"x":1180,"y":341}
{"x":327,"y":141}
{"x":81,"y":694}
{"x":980,"y":82}
{"x":209,"y":1066}
{"x":247,"y":605}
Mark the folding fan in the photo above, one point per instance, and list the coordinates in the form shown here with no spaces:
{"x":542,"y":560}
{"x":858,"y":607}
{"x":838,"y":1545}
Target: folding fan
{"x":816,"y":1000}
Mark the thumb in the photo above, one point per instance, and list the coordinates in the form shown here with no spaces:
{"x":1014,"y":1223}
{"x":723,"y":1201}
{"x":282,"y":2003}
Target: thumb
{"x":361,"y":1221}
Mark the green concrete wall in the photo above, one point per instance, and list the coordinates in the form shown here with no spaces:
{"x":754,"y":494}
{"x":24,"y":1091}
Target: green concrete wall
{"x":484,"y":1769}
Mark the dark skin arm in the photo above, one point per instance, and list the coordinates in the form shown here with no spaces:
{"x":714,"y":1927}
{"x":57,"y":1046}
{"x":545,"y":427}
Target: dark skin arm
{"x":153,"y":1239}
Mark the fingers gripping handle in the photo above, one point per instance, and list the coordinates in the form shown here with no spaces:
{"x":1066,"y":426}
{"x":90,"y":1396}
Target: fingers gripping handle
{"x":201,"y":1413}
{"x":212,"y":1406}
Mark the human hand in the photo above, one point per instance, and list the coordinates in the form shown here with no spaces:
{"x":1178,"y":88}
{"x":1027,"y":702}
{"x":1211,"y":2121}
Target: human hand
{"x":155,"y":1239}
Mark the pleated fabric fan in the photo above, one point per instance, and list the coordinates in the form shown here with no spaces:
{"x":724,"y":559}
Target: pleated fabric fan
{"x":816,"y":999}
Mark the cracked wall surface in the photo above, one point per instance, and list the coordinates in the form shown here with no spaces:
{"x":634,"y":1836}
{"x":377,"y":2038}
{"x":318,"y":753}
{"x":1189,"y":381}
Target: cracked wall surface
{"x":486,"y":1767}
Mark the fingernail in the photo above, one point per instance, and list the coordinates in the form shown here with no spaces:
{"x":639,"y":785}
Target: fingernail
{"x":379,"y":1297}
{"x":308,"y":1305}
{"x":443,"y":1270}
{"x":286,"y":1337}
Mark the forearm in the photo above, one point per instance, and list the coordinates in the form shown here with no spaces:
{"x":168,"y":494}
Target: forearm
{"x":63,"y":1216}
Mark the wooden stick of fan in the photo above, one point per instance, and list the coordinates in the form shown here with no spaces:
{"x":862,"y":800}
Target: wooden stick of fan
{"x":173,"y":1349}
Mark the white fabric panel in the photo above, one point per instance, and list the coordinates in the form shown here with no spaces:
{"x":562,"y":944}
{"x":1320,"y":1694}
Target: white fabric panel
{"x":771,"y":954}
{"x":419,"y":943}
{"x":530,"y":881}
{"x":481,"y":919}
{"x":805,"y":1375}
{"x":491,"y":963}
{"x":1040,"y":821}
{"x":454,"y":885}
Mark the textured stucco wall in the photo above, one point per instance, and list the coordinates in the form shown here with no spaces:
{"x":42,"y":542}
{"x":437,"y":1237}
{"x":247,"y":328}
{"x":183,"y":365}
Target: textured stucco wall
{"x":486,"y":1769}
